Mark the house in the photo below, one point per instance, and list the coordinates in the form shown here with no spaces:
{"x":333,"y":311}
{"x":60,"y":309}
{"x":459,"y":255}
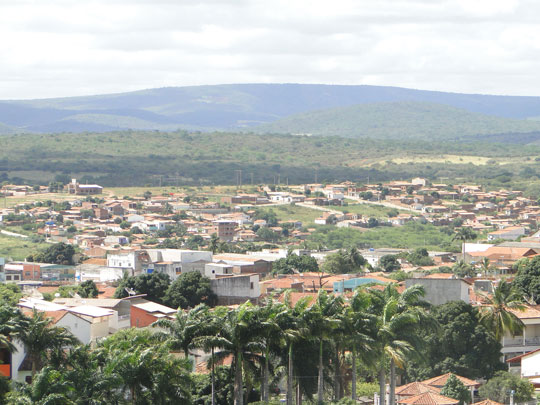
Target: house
{"x":527,"y":365}
{"x":513,"y":346}
{"x":440,"y":291}
{"x":224,"y":229}
{"x":428,"y":398}
{"x":83,"y":189}
{"x":87,"y":323}
{"x":236,"y":289}
{"x":146,"y":313}
{"x":509,"y":233}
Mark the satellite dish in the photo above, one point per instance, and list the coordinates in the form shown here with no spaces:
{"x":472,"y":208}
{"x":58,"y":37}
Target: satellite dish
{"x":57,"y":295}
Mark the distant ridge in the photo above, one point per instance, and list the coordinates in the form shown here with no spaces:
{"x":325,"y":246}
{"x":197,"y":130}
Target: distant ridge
{"x":231,"y":107}
{"x":403,"y":120}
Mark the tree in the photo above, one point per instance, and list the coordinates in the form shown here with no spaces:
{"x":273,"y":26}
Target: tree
{"x":454,"y":388}
{"x":372,"y":223}
{"x":154,"y":285}
{"x":293,"y":328}
{"x":358,"y":326}
{"x":266,"y":234}
{"x":125,"y":225}
{"x":399,"y":319}
{"x":147,"y":195}
{"x":239,"y":330}
{"x":10,"y":294}
{"x":38,"y":337}
{"x":189,"y":290}
{"x":498,"y":388}
{"x":464,"y":234}
{"x":445,"y":351}
{"x":419,"y":257}
{"x":527,"y":280}
{"x":497,"y":313}
{"x":344,"y":262}
{"x":321,"y":318}
{"x":389,"y":263}
{"x":295,"y":264}
{"x":59,"y":253}
{"x":213,"y":245}
{"x":88,"y":289}
{"x":462,"y":269}
{"x":149,"y":373}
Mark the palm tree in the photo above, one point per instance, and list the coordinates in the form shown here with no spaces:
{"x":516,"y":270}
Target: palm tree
{"x":38,"y":336}
{"x":321,"y":318}
{"x":485,"y":265}
{"x":293,"y":327}
{"x":10,"y":322}
{"x":396,"y":335}
{"x":208,"y":337}
{"x":180,"y":331}
{"x":498,"y":312}
{"x":270,"y":317}
{"x":464,"y":234}
{"x":358,"y":325}
{"x":213,"y":245}
{"x":238,"y":333}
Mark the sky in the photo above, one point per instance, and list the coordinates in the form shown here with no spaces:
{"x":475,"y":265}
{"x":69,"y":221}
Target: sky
{"x":59,"y":48}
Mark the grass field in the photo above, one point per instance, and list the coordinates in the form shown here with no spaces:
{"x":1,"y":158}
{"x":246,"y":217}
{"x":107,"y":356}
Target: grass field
{"x":12,"y":201}
{"x":368,"y":210}
{"x":289,"y":212}
{"x":17,"y":248}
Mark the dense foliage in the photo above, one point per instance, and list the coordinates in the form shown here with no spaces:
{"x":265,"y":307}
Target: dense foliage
{"x":464,"y":346}
{"x":294,"y":263}
{"x":499,"y":387}
{"x":58,"y":253}
{"x":527,"y":280}
{"x":189,"y":290}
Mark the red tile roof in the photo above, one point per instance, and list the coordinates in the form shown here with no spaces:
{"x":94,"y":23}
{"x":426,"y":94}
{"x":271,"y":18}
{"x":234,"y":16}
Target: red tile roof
{"x":441,"y":380}
{"x":416,"y":388}
{"x":429,"y":398}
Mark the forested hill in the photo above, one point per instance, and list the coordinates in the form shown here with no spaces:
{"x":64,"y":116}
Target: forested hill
{"x":231,"y":106}
{"x":401,"y":120}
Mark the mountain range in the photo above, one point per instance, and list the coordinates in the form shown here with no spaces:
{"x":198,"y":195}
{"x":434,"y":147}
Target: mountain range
{"x":352,"y":111}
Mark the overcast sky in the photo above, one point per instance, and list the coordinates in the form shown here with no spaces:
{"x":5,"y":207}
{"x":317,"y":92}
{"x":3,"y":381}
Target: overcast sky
{"x":52,"y":48}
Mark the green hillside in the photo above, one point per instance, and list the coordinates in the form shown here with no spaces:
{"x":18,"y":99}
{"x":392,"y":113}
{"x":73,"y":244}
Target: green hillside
{"x":136,"y":158}
{"x":400,"y":120}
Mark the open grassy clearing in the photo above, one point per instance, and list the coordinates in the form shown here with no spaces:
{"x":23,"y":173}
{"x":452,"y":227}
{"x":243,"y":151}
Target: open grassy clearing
{"x":289,"y":212}
{"x":25,"y":199}
{"x":18,"y":248}
{"x":368,"y":210}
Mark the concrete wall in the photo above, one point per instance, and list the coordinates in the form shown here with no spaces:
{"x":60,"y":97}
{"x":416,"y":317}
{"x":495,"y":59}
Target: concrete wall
{"x":239,"y":287}
{"x":441,"y":291}
{"x":530,"y":365}
{"x":80,"y":328}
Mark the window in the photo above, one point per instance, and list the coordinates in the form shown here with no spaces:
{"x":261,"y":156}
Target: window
{"x":251,"y":285}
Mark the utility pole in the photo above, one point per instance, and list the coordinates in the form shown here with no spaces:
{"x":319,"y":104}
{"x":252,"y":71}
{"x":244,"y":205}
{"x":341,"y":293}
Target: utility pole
{"x":251,"y":178}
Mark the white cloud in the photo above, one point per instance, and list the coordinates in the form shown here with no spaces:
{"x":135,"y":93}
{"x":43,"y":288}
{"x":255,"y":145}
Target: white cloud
{"x":55,"y":48}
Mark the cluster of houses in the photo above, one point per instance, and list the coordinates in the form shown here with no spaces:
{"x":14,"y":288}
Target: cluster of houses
{"x":98,"y":225}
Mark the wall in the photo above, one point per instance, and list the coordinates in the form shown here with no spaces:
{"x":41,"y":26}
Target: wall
{"x":441,"y":291}
{"x":140,"y":318}
{"x":239,"y":287}
{"x":79,"y":327}
{"x":530,"y":365}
